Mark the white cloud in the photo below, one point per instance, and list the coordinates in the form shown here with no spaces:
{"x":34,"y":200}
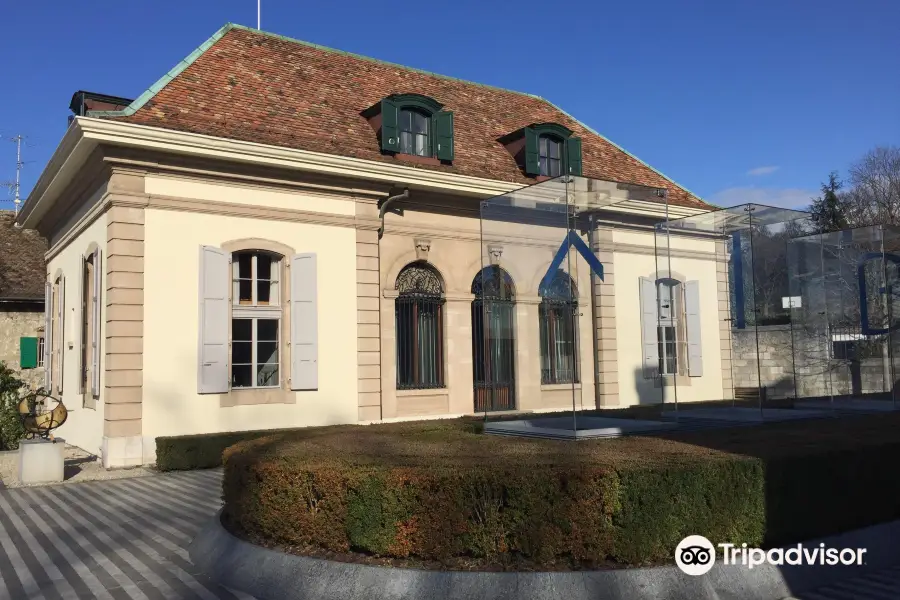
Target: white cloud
{"x":784,"y":197}
{"x":762,"y":171}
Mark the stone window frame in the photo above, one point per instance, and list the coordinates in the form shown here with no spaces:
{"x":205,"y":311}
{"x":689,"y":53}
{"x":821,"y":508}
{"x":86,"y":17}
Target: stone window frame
{"x":283,"y":394}
{"x":681,"y":378}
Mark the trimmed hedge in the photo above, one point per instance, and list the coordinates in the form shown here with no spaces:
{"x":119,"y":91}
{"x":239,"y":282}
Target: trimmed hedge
{"x":185,"y":452}
{"x":436,"y":491}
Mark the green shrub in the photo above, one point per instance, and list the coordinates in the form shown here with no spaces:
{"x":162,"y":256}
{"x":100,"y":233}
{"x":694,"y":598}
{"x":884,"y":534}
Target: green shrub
{"x":11,"y":430}
{"x":437,"y":491}
{"x":186,"y":452}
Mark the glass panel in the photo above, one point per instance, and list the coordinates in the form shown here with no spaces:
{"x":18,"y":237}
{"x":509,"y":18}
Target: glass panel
{"x":266,"y":352}
{"x":263,"y":266}
{"x":420,"y":123}
{"x":245,"y":265}
{"x":264,"y":293}
{"x":267,"y":375}
{"x":543,"y":146}
{"x":406,"y":142}
{"x":242,"y":329}
{"x":267,"y":330}
{"x":241,"y":376}
{"x":241,"y":353}
{"x":544,"y":167}
{"x":555,"y":167}
{"x":553,"y":148}
{"x":422,"y":148}
{"x":405,"y":123}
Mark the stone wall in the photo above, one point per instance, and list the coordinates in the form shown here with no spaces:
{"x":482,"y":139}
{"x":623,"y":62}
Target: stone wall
{"x":803,"y":356}
{"x":17,"y":321}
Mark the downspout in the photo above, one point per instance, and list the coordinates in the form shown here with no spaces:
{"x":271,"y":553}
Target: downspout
{"x":385,"y":205}
{"x":384,"y":208}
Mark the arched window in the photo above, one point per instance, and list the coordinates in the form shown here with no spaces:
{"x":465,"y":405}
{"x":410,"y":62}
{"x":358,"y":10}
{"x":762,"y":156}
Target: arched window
{"x":420,"y":327}
{"x":559,"y":330}
{"x":550,"y":155}
{"x":255,"y":319}
{"x":493,"y":339}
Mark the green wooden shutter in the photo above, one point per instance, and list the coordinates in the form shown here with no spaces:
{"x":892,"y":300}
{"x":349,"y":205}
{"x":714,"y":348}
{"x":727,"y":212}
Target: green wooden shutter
{"x":390,"y":129}
{"x":532,"y":159}
{"x":443,"y":128}
{"x":573,"y":156}
{"x":28,"y":349}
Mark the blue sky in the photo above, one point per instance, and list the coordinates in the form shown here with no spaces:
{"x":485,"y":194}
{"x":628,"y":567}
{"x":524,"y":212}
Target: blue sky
{"x":737,"y":101}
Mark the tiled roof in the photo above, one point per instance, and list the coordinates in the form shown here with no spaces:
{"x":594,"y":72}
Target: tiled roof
{"x":259,"y":87}
{"x":22,"y":267}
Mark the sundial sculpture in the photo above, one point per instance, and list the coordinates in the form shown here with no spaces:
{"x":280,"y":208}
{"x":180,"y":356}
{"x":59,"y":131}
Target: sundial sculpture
{"x":40,"y":414}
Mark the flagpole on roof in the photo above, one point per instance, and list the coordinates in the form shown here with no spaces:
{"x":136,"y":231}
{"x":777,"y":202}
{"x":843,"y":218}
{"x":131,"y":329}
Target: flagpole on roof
{"x":258,"y":15}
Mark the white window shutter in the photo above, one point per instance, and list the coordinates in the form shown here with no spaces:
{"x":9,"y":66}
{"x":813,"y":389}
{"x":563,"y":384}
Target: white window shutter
{"x":48,"y":336}
{"x":61,"y":345}
{"x":692,"y":312}
{"x":95,"y":327}
{"x":212,"y":367}
{"x":304,"y":323}
{"x":649,"y":325}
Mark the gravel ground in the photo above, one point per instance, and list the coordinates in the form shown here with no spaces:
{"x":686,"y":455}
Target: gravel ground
{"x":79,"y":466}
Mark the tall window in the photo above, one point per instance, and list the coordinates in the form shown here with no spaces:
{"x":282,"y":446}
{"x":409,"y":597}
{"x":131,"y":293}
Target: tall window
{"x":414,"y":132}
{"x":40,"y":351}
{"x":494,"y":339}
{"x":558,"y":330}
{"x":550,"y":155}
{"x":256,"y":319}
{"x":668,"y":331}
{"x":420,"y":328}
{"x":87,"y":293}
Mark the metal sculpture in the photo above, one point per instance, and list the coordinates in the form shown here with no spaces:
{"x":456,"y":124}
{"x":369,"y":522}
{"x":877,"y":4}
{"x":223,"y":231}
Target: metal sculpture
{"x":40,"y":414}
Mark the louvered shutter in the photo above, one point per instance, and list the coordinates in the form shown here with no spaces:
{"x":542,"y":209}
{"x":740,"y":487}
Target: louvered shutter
{"x":573,"y":156}
{"x":443,"y":127}
{"x":649,"y":325}
{"x":48,"y":336}
{"x":212,"y":368}
{"x":304,"y":323}
{"x":95,"y":326}
{"x":28,"y":349}
{"x":390,"y":129}
{"x":532,"y":157}
{"x":692,"y":312}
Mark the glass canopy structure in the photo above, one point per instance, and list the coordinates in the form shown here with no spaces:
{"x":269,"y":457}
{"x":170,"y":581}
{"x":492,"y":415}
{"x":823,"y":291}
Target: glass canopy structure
{"x":539,"y":296}
{"x":744,"y":251}
{"x":846,"y":327}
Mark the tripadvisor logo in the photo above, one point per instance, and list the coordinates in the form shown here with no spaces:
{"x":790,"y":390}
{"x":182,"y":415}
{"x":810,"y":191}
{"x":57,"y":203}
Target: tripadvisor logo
{"x":696,"y":555}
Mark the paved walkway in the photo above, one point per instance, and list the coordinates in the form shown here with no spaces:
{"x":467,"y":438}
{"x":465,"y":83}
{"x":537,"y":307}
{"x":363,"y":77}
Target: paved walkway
{"x":883,"y":585}
{"x":127,"y":539}
{"x":115,"y":540}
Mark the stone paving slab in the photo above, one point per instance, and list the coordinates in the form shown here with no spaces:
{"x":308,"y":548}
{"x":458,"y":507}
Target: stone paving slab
{"x":115,"y":540}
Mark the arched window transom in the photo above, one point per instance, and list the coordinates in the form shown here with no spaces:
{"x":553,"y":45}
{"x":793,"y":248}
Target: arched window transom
{"x":558,"y":324}
{"x":494,"y":283}
{"x":419,"y":320}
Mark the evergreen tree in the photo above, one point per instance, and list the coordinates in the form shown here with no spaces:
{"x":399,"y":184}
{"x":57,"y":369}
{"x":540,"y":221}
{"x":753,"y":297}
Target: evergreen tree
{"x":829,"y":211}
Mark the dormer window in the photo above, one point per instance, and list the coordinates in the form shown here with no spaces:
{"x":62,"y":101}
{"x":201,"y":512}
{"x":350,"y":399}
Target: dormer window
{"x":550,"y":153}
{"x":414,"y":132}
{"x":545,"y":150}
{"x":414,"y":125}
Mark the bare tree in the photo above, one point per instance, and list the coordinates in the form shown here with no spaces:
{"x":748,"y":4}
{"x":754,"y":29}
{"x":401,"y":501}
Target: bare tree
{"x":874,"y":194}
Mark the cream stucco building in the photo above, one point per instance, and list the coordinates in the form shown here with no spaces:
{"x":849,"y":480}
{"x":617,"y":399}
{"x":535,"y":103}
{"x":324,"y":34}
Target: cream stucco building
{"x":217,"y":260}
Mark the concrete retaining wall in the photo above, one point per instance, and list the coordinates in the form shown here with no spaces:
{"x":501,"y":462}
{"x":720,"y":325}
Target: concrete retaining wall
{"x":272,"y":575}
